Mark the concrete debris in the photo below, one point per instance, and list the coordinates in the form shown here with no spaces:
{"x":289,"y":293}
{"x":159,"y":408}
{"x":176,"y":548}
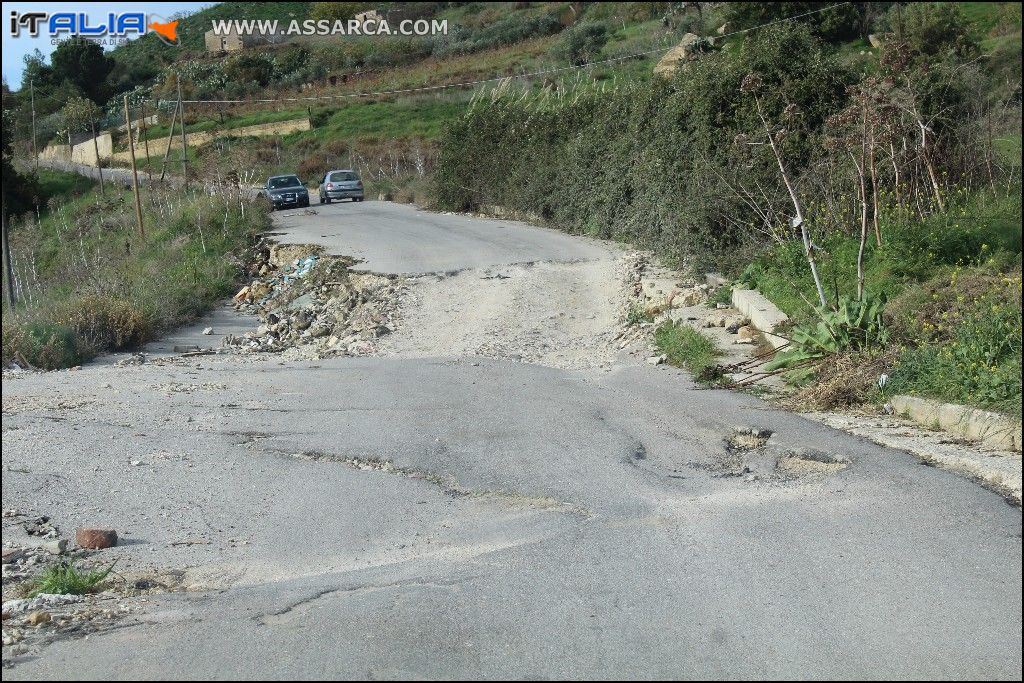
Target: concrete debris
{"x":39,"y":618}
{"x":134,"y":359}
{"x":41,"y":526}
{"x":746,"y":335}
{"x":315,"y":306}
{"x":58,"y":547}
{"x":44,"y":601}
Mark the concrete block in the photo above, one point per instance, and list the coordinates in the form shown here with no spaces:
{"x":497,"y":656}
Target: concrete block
{"x":991,"y":429}
{"x":762,"y":313}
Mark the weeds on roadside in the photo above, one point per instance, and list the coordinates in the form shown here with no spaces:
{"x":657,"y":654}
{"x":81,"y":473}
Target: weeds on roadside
{"x":722,"y":295}
{"x":63,"y":578}
{"x":686,"y":347}
{"x":638,"y":314}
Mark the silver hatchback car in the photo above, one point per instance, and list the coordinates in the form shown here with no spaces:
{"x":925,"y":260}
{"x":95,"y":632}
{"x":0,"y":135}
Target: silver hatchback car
{"x":341,"y":184}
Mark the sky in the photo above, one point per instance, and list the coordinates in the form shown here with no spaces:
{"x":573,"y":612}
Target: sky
{"x":15,"y":49}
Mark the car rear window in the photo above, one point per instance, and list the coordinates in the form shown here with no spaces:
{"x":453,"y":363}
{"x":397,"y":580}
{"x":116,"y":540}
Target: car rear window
{"x":341,"y":176}
{"x":287,"y":181}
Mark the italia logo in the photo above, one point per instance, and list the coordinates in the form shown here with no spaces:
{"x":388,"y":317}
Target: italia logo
{"x":80,"y":25}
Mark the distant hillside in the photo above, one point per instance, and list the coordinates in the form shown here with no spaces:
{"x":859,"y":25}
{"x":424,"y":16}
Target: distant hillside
{"x":149,"y":54}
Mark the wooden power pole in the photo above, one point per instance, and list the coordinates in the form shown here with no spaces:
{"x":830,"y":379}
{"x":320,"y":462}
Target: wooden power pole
{"x":96,"y":149}
{"x":170,"y":139}
{"x":135,"y":174}
{"x":145,"y":137}
{"x":12,"y":300}
{"x":32,"y":96}
{"x":184,"y":142}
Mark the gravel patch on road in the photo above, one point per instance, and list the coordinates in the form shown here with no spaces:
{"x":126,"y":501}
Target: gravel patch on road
{"x":561,"y":315}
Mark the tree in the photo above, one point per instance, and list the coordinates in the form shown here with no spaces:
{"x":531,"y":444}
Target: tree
{"x":18,"y":190}
{"x":80,"y":114}
{"x":84,"y":64}
{"x":36,"y":70}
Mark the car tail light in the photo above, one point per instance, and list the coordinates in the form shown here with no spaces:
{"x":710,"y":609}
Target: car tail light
{"x":330,"y":186}
{"x":359,"y":184}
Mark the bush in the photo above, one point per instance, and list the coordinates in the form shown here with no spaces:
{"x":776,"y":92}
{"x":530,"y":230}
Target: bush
{"x":40,"y":344}
{"x":844,"y":22}
{"x":971,"y":351}
{"x":513,"y":29}
{"x":646,"y":163}
{"x":582,"y":43}
{"x":102,"y":323}
{"x":932,"y":29}
{"x":249,"y":67}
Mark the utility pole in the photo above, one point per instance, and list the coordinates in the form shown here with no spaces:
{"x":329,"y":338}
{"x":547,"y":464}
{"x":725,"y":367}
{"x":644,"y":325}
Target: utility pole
{"x":32,"y":95}
{"x":135,"y":175}
{"x":184,"y":142}
{"x":96,"y":148}
{"x":12,"y":301}
{"x":170,"y":139}
{"x":145,"y":137}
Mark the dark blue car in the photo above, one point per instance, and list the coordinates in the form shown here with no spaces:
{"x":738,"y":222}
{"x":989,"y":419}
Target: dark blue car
{"x":285,"y":191}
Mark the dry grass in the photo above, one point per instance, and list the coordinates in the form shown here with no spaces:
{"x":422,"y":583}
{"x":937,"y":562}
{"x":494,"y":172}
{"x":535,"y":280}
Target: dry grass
{"x":846,"y":381}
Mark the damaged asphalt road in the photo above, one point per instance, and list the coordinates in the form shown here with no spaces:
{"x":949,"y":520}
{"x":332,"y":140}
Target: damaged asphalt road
{"x":458,"y":516}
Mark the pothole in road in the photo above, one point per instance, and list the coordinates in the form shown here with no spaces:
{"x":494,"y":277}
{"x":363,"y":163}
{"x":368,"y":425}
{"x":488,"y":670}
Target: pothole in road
{"x":448,"y":485}
{"x":748,"y":453}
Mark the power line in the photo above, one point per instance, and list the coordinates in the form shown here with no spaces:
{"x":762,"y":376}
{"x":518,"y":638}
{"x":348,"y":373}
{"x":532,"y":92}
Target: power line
{"x":496,"y":79}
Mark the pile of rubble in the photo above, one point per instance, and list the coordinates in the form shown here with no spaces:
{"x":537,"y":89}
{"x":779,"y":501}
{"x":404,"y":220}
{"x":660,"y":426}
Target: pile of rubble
{"x":314,"y":306}
{"x":655,"y":295}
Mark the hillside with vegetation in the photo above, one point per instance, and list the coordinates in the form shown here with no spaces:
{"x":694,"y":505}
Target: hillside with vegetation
{"x":875,"y":197}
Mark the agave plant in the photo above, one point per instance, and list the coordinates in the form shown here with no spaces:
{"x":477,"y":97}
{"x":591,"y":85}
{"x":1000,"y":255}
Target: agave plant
{"x":856,"y":324}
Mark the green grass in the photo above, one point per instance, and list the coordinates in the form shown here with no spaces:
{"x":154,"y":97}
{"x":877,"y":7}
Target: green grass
{"x":64,"y":578}
{"x":974,"y":230}
{"x":61,"y":185}
{"x":423,"y":117}
{"x":986,"y":16}
{"x":158,"y":133}
{"x":638,"y":314}
{"x":90,"y":283}
{"x":953,"y":287}
{"x":687,"y":348}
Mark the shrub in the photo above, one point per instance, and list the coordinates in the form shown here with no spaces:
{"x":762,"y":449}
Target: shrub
{"x":102,"y":323}
{"x":648,"y":163}
{"x":249,"y":67}
{"x":40,"y":344}
{"x":513,"y":29}
{"x":932,"y":29}
{"x":582,"y":43}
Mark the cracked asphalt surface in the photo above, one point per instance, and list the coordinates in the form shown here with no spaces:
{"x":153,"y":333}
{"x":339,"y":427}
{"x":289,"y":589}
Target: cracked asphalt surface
{"x":532,"y":522}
